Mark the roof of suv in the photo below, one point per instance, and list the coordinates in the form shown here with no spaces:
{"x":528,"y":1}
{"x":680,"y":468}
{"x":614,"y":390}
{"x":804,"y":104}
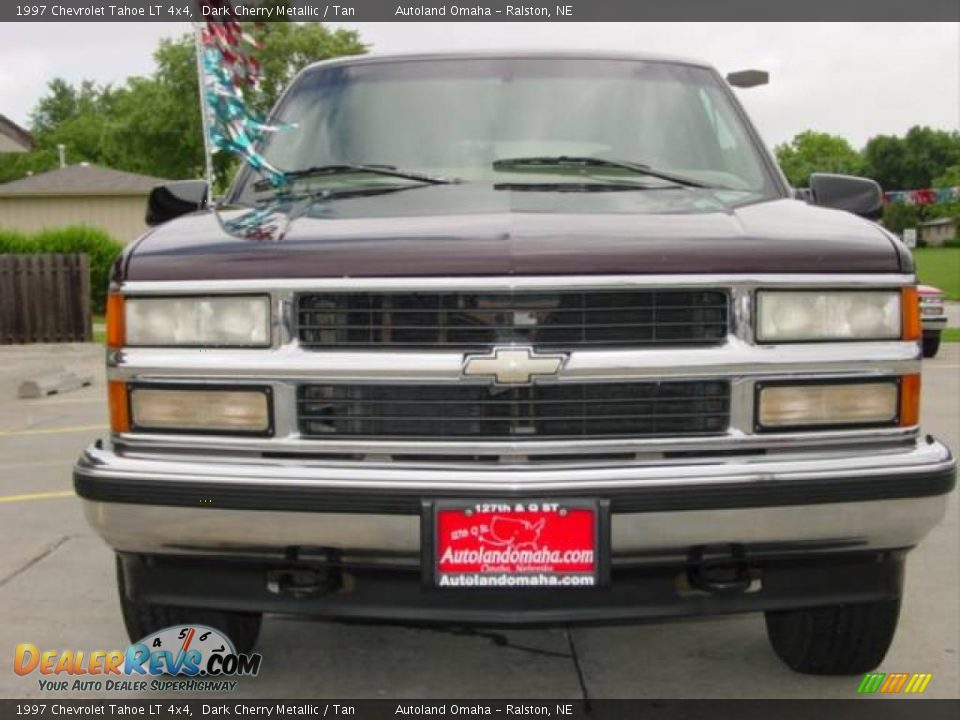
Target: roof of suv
{"x":478,"y":54}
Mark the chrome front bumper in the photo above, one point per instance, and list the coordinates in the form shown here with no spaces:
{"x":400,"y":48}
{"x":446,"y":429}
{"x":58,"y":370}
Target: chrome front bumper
{"x":839,"y":500}
{"x":933,"y":322}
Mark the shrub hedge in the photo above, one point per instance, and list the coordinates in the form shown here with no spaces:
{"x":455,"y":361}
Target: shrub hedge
{"x":100,"y":248}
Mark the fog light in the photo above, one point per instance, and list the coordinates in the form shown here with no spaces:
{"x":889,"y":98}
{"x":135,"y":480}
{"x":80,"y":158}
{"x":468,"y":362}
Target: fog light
{"x":828,"y":404}
{"x":200,"y":410}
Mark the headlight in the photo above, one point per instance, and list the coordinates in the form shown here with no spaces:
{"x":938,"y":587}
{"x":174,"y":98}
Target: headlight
{"x":212,"y":320}
{"x":231,"y":411}
{"x":822,"y":404}
{"x":791,"y":316}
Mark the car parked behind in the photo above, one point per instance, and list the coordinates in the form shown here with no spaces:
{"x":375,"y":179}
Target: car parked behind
{"x":933,"y":317}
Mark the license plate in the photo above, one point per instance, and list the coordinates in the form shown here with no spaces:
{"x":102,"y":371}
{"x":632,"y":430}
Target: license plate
{"x":528,"y":544}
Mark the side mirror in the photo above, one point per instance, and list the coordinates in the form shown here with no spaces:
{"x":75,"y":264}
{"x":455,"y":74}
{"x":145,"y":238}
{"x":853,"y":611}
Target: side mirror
{"x":861,"y":196}
{"x":174,"y":199}
{"x":748,"y":78}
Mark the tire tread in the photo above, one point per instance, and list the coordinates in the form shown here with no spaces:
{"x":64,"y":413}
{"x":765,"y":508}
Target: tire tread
{"x":834,"y":640}
{"x":142,"y":619}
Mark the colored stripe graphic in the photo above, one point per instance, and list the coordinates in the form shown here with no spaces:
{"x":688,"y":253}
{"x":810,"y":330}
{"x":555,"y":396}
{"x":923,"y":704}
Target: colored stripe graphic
{"x":871,"y":683}
{"x":913,"y":683}
{"x":895,"y":683}
{"x":918,"y":683}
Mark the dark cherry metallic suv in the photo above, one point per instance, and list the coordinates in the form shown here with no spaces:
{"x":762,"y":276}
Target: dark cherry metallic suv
{"x":517,"y":339}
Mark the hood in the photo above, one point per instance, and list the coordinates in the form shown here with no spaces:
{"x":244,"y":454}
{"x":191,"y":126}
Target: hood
{"x":464,"y":231}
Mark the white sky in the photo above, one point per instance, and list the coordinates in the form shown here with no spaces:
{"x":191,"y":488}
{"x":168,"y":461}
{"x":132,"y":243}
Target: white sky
{"x":850,"y":79}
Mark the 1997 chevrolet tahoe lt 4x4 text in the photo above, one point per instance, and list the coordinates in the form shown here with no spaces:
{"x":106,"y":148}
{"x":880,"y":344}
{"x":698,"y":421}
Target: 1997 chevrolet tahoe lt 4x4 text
{"x":517,"y":339}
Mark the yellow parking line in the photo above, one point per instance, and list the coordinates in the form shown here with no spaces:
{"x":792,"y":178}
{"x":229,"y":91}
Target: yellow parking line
{"x":36,"y":496}
{"x":77,"y":428}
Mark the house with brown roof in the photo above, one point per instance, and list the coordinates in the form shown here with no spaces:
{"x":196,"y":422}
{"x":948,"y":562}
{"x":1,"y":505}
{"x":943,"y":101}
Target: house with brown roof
{"x":13,"y":138}
{"x":82,"y":194}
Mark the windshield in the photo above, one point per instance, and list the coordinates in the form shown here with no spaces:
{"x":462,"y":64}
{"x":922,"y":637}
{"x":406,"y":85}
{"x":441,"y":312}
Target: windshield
{"x":461,"y":118}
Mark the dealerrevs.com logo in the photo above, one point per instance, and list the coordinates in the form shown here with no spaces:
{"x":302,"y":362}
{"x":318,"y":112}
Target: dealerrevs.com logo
{"x":188,"y":658}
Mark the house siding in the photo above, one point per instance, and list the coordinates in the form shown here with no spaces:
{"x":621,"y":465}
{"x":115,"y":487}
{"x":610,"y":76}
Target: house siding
{"x":936,"y":235}
{"x":9,"y":145}
{"x":121,"y":216}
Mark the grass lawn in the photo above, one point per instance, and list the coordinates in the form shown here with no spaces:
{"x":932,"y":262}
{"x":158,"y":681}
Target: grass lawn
{"x":99,"y":336}
{"x":951,"y":335}
{"x":939,"y":267}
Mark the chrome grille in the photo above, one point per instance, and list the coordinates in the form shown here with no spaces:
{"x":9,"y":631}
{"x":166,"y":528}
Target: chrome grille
{"x":608,"y":410}
{"x":547,"y":320}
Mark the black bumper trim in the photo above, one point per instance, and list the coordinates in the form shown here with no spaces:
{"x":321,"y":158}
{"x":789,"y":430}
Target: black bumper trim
{"x":401,"y":502}
{"x":399,"y":596}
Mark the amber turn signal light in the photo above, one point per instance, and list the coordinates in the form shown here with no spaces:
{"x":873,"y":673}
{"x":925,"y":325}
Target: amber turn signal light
{"x":909,"y":400}
{"x":910,"y":307}
{"x":115,"y":321}
{"x":119,"y":408}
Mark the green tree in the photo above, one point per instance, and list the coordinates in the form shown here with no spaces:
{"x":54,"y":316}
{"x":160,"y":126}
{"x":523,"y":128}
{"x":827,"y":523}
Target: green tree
{"x":289,"y":47}
{"x":949,"y":178}
{"x":14,"y":166}
{"x":897,"y":216}
{"x":913,"y":161}
{"x":811,"y":152}
{"x":156,"y":127}
{"x":65,"y":102}
{"x":152,"y":124}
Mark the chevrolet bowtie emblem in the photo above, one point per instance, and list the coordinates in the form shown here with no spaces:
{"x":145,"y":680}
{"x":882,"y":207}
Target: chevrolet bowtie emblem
{"x":512,"y":366}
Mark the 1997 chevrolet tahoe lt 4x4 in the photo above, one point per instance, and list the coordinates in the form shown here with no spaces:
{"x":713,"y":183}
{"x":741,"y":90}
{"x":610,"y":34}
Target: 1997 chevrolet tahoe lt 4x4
{"x":518,"y":339}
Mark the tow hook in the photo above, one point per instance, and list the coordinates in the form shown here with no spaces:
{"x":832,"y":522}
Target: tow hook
{"x":303,"y":583}
{"x":719,"y":569}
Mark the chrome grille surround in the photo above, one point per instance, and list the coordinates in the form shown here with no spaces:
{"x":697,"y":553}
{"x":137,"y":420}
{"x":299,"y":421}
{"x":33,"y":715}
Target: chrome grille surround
{"x":735,"y":360}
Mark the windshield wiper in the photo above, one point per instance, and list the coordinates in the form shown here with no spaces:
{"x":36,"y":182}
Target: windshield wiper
{"x":383,"y":170}
{"x":579,"y":187}
{"x":519,"y":163}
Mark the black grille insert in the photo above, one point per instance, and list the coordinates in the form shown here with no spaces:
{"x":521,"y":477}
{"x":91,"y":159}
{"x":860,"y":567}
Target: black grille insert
{"x":646,"y":409}
{"x":549,"y":320}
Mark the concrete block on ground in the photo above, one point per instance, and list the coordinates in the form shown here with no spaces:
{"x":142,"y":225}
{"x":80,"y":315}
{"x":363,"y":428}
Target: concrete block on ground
{"x":56,"y":383}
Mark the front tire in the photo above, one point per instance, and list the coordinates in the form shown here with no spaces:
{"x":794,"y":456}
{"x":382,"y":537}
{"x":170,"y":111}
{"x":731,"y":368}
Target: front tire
{"x":834,"y":640}
{"x":931,"y":344}
{"x":142,"y":619}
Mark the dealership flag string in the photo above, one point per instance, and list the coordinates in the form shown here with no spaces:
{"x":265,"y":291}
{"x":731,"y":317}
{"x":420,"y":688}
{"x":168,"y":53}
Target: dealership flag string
{"x":925,"y":196}
{"x":226,"y":64}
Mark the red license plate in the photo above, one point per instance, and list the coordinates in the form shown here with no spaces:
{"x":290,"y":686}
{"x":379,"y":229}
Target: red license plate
{"x":515,"y":544}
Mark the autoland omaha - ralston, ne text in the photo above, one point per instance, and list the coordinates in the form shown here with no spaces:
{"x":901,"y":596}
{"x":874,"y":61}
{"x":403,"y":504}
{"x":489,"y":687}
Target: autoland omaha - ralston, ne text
{"x":472,"y":11}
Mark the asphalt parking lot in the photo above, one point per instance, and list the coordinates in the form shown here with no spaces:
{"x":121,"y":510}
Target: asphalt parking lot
{"x":57,"y":591}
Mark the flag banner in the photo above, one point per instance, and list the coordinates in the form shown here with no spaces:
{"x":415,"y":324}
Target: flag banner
{"x":228,"y":65}
{"x":926,"y":196}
